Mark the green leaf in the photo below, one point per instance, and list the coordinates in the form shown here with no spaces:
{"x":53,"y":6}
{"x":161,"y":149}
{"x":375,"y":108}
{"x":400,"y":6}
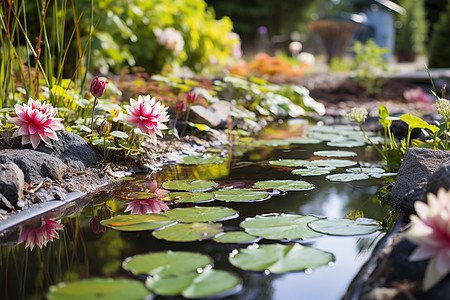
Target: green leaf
{"x":238,"y":237}
{"x":167,"y":263}
{"x":346,"y":143}
{"x":202,"y":214}
{"x":241,"y":195}
{"x":280,"y":226}
{"x":288,"y":162}
{"x":346,"y":177}
{"x":99,"y":288}
{"x":303,"y":140}
{"x":119,"y":134}
{"x":335,"y":153}
{"x":284,"y":185}
{"x":191,"y":197}
{"x":202,"y":160}
{"x":338,"y":163}
{"x":278,"y":258}
{"x":366,"y":170}
{"x":416,"y":122}
{"x":271,"y":143}
{"x":345,"y":226}
{"x":137,"y":222}
{"x":188,"y":232}
{"x":315,"y":171}
{"x":195,"y":285}
{"x":189,"y":185}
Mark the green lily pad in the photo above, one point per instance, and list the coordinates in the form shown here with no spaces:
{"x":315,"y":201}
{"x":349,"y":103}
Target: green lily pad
{"x":202,"y":160}
{"x":345,"y":226}
{"x":138,"y":195}
{"x":238,"y":237}
{"x":202,"y":214}
{"x":338,"y":163}
{"x":346,"y":177}
{"x":241,"y":195}
{"x":346,"y":143}
{"x":137,"y":222}
{"x":271,"y":143}
{"x":288,"y":162}
{"x":278,"y":258}
{"x":284,"y":185}
{"x":335,"y":153}
{"x":303,"y":140}
{"x":195,"y":285}
{"x":366,"y":170}
{"x":312,"y":171}
{"x":188,"y":232}
{"x":190,"y":197}
{"x":189,"y":185}
{"x":167,"y":263}
{"x":280,"y":226}
{"x":380,"y":175}
{"x":99,"y":288}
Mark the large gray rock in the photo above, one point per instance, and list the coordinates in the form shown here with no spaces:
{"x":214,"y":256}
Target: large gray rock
{"x":411,"y":183}
{"x":440,"y":178}
{"x":11,"y":185}
{"x":215,"y":115}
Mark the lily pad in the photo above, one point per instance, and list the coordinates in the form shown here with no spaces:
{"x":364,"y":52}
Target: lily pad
{"x":338,"y":163}
{"x":189,"y":185}
{"x":202,"y":214}
{"x":241,"y":195}
{"x":202,"y":160}
{"x":190,"y":197}
{"x":238,"y":237}
{"x":346,"y":177}
{"x":335,"y":153}
{"x":303,"y":140}
{"x":271,"y":143}
{"x":345,"y":226}
{"x":278,"y":258}
{"x":99,"y":288}
{"x":167,"y":263}
{"x":346,"y":143}
{"x":366,"y":170}
{"x":188,"y":232}
{"x":284,"y":185}
{"x":280,"y":226}
{"x":137,"y":222}
{"x":288,"y":162}
{"x":195,"y":285}
{"x":312,"y":171}
{"x":137,"y":195}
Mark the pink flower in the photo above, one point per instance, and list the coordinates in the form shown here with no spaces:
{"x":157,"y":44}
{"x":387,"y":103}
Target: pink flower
{"x":417,"y":95}
{"x":148,"y":115}
{"x":431,"y":231}
{"x":146,"y":206}
{"x":179,"y":107}
{"x":171,"y":39}
{"x":153,"y":188}
{"x":37,"y":122}
{"x":41,"y":235}
{"x":191,"y":97}
{"x":98,"y":87}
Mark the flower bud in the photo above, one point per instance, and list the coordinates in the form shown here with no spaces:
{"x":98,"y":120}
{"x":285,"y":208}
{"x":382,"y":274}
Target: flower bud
{"x":104,"y":128}
{"x":98,"y":87}
{"x":191,"y":97}
{"x":179,"y":107}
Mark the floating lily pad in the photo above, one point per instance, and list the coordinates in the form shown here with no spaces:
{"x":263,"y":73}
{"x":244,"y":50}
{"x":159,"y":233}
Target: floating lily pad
{"x":191,"y":197}
{"x":303,"y":140}
{"x":137,"y":222}
{"x":271,"y":143}
{"x":202,"y":160}
{"x":241,"y":195}
{"x":366,"y":170}
{"x":346,"y":177}
{"x":99,"y":288}
{"x":189,"y":185}
{"x":379,"y":175}
{"x":188,"y":232}
{"x":278,"y":258}
{"x":137,"y":195}
{"x":284,"y":185}
{"x":195,"y":285}
{"x":338,"y":163}
{"x":238,"y":237}
{"x":345,"y":226}
{"x":335,"y":153}
{"x":288,"y":162}
{"x":278,"y":227}
{"x":311,"y":171}
{"x":167,"y":263}
{"x":202,"y":214}
{"x":346,"y":143}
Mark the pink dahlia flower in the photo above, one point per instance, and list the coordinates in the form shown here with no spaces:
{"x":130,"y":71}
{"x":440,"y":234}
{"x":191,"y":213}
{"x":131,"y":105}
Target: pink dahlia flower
{"x":148,"y":115}
{"x":146,"y":206}
{"x":431,"y":231}
{"x":37,"y":122}
{"x":42,"y":235}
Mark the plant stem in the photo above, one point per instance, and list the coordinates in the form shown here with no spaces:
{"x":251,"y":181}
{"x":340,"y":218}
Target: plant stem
{"x":383,"y":156}
{"x":92,"y":118}
{"x":185,"y":122}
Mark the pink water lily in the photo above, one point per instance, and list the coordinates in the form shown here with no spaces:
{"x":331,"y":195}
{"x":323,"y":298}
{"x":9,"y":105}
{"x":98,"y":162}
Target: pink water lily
{"x":148,"y":115}
{"x":431,"y":231}
{"x":37,"y":122}
{"x":146,"y":206}
{"x":42,"y":235}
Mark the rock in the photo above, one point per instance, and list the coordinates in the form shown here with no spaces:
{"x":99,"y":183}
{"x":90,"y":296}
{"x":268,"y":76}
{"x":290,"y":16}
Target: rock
{"x":11,"y":185}
{"x":417,"y":167}
{"x":440,"y":178}
{"x":216,"y":115}
{"x":52,"y":193}
{"x":35,"y":165}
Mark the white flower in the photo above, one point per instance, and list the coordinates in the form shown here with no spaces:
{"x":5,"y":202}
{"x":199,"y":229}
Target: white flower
{"x":171,"y":39}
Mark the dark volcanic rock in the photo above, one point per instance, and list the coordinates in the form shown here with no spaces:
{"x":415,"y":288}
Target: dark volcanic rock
{"x":440,"y":178}
{"x":11,"y":185}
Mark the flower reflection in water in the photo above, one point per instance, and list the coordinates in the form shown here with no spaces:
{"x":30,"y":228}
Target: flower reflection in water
{"x":42,"y":235}
{"x":102,"y":214}
{"x":146,"y":206}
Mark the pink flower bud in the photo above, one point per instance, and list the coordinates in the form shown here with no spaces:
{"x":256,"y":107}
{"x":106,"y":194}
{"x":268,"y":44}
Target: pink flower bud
{"x":191,"y":97}
{"x":179,"y":107}
{"x":98,"y":87}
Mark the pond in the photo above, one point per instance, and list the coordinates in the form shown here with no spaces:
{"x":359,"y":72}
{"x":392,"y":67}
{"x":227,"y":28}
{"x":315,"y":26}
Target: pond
{"x":80,"y":253}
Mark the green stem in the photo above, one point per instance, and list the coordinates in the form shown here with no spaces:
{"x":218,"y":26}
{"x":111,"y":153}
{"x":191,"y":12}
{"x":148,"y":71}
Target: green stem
{"x":383,"y":156}
{"x":185,"y":122}
{"x":92,"y":118}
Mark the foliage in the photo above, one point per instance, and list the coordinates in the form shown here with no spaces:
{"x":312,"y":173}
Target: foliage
{"x":439,"y":46}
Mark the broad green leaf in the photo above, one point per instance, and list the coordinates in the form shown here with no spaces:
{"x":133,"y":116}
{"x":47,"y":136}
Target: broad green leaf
{"x":201,"y":160}
{"x":280,"y":227}
{"x":346,"y":143}
{"x":167,"y":263}
{"x":137,"y":222}
{"x":270,"y":143}
{"x":238,"y":237}
{"x":345,"y":226}
{"x":188,"y":232}
{"x":137,"y":195}
{"x":202,"y":214}
{"x":366,"y":170}
{"x":288,"y":162}
{"x":99,"y":288}
{"x":119,"y":134}
{"x":335,"y":153}
{"x":303,"y":140}
{"x":278,"y":258}
{"x":416,"y":122}
{"x":284,"y":185}
{"x":338,"y":163}
{"x":190,"y":197}
{"x":346,"y":177}
{"x":312,"y":171}
{"x":189,"y":185}
{"x":241,"y":195}
{"x":195,"y":285}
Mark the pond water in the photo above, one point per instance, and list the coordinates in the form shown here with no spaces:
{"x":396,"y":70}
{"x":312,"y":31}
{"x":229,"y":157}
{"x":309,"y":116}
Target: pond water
{"x":81,"y":253}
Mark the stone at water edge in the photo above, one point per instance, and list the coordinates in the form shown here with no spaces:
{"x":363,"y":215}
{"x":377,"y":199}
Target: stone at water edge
{"x":11,"y":186}
{"x":440,"y":178}
{"x":214,"y":116}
